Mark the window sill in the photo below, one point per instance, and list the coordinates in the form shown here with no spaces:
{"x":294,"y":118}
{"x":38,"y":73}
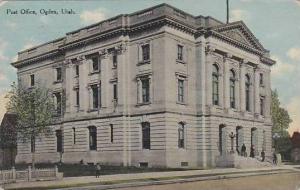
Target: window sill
{"x":144,"y":62}
{"x":58,"y":81}
{"x":93,"y":110}
{"x":94,"y":72}
{"x":143,"y":104}
{"x":181,"y":103}
{"x":76,"y":76}
{"x":180,"y":61}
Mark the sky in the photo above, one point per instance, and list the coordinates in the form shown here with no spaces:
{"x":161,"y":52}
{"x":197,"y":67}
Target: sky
{"x":276,"y":23}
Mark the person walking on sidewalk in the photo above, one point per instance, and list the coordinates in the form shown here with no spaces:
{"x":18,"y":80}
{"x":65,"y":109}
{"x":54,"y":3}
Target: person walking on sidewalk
{"x":98,"y":168}
{"x":243,"y":150}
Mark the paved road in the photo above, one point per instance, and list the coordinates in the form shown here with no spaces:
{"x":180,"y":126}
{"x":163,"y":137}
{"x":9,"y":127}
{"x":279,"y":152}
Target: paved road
{"x":290,"y":181}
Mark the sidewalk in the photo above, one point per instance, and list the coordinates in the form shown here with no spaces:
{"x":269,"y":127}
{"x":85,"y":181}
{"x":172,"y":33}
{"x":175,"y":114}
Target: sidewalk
{"x":151,"y":176}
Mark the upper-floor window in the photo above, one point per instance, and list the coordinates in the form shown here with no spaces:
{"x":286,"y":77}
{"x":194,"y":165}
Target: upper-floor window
{"x":261,"y":79}
{"x":146,"y":52}
{"x":145,"y":90}
{"x":146,"y":135}
{"x":180,"y":96}
{"x":58,"y":102}
{"x":58,"y":74}
{"x":76,"y":70}
{"x":115,"y":91}
{"x":59,"y":141}
{"x":262,"y":105}
{"x":77,"y":100}
{"x":32,"y":82}
{"x":92,"y":137}
{"x":247,"y":92}
{"x":215,"y":84}
{"x":181,"y":135}
{"x":96,"y":96}
{"x":180,"y":52}
{"x":232,"y":89}
{"x":115,"y":60}
{"x":95,"y":63}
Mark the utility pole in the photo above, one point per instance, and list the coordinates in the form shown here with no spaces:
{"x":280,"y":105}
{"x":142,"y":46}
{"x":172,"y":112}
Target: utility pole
{"x":227,"y":3}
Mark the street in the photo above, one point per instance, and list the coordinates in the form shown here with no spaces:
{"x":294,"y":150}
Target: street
{"x":289,"y":181}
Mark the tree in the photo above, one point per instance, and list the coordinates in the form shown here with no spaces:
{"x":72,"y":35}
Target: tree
{"x":34,"y":108}
{"x":281,"y":121}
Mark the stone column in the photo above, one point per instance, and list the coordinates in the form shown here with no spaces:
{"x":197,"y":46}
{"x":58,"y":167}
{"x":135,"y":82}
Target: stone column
{"x":268,"y":98}
{"x":226,"y":93}
{"x":69,"y":86}
{"x":256,"y":92}
{"x":208,"y":83}
{"x":242,"y":86}
{"x":83,"y":83}
{"x":105,"y":70}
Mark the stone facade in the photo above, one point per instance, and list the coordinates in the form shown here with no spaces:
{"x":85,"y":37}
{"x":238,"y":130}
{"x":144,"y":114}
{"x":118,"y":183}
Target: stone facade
{"x":156,"y":70}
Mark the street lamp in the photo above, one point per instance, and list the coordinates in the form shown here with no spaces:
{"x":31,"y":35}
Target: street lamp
{"x":232,"y":136}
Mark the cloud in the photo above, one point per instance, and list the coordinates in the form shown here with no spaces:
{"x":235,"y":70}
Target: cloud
{"x":3,"y":45}
{"x":2,"y":3}
{"x":294,"y":112}
{"x":294,"y":54}
{"x":3,"y":102}
{"x":2,"y":76}
{"x":11,"y":25}
{"x":239,"y":14}
{"x":29,"y":44}
{"x":281,"y":68}
{"x":93,"y":16}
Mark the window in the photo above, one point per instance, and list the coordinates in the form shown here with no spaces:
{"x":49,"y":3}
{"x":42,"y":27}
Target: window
{"x":96,"y":96}
{"x":93,"y":138}
{"x":232,"y":89}
{"x":59,"y":144}
{"x":146,"y":52}
{"x":58,"y":102}
{"x":32,"y":80}
{"x":262,"y":105}
{"x":77,"y":97}
{"x":74,"y":135}
{"x":146,"y":135}
{"x":180,"y":52}
{"x":58,"y":74}
{"x":145,"y":90}
{"x":215,"y":85}
{"x":115,"y":61}
{"x":115,"y":92}
{"x":32,"y":144}
{"x":111,"y":133}
{"x":77,"y":70}
{"x":181,"y":135}
{"x":180,"y":90}
{"x":247,"y":92}
{"x":96,"y":63}
{"x":261,"y":79}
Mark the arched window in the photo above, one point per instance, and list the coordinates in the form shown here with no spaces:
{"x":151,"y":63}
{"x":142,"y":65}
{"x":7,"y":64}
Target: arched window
{"x":247,"y":91}
{"x":92,"y":137}
{"x":215,"y":85}
{"x":232,"y":88}
{"x":181,"y":135}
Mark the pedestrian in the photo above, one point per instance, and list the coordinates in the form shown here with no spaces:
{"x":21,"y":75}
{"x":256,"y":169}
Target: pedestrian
{"x":252,"y":151}
{"x":263,"y":155}
{"x":243,"y":150}
{"x":98,"y":168}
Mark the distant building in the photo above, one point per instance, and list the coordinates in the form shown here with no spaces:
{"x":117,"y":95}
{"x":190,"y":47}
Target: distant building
{"x":8,"y":140}
{"x":295,"y":139}
{"x":158,"y":87}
